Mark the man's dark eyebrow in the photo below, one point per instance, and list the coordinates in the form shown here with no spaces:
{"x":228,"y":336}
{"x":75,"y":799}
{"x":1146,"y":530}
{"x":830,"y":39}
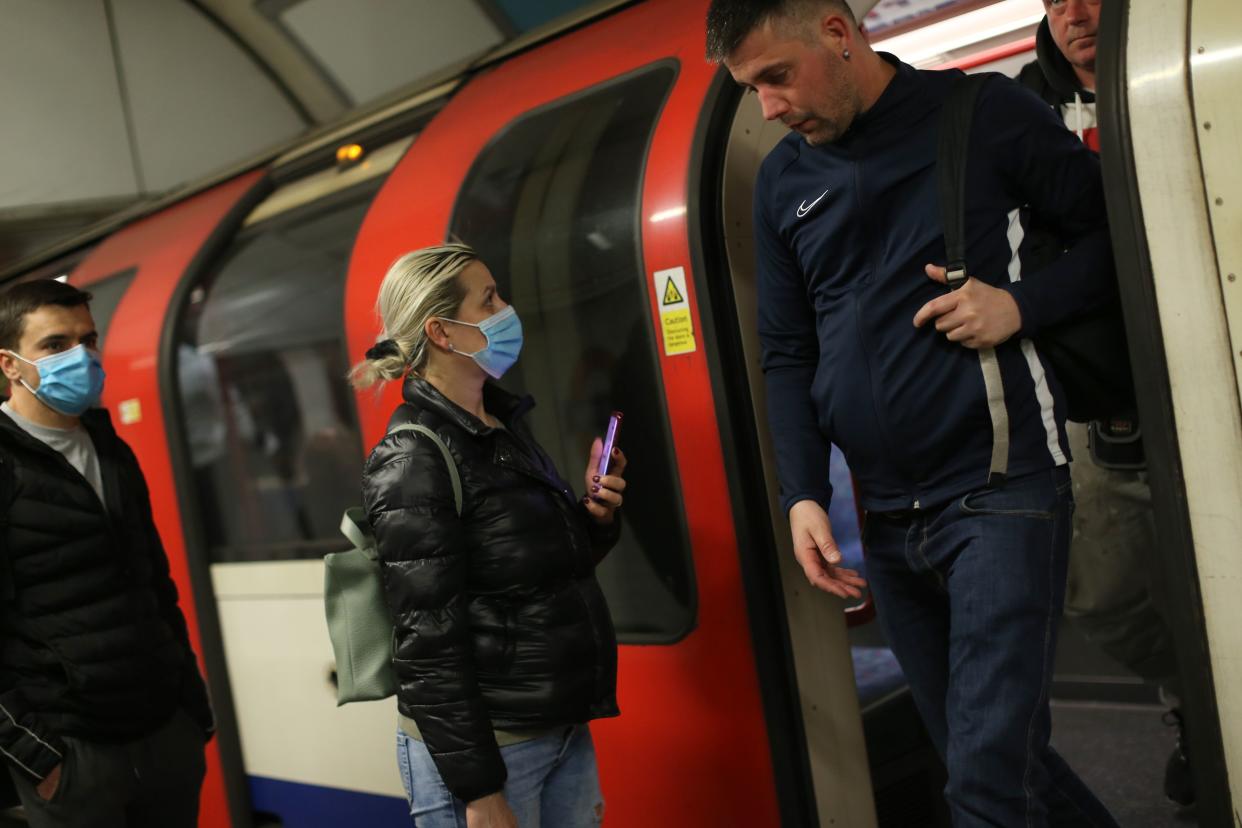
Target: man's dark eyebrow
{"x":51,"y":339}
{"x":769,"y":71}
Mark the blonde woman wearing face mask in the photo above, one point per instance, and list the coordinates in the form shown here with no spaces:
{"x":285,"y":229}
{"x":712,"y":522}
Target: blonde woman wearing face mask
{"x":504,"y":646}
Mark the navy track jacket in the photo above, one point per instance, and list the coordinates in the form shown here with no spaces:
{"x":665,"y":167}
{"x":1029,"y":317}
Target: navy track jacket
{"x":842,"y":234}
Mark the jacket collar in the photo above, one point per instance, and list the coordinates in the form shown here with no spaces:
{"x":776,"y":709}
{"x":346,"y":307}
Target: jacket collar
{"x":505,"y":406}
{"x":96,"y":421}
{"x":98,"y":424}
{"x":1057,"y":70}
{"x":890,"y":111}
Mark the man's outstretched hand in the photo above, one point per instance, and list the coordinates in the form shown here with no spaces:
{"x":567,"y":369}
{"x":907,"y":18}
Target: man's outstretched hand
{"x":817,"y":551}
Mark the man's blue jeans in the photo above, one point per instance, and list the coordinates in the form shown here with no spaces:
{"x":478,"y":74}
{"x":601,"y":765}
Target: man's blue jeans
{"x":970,"y":595}
{"x":553,"y":783}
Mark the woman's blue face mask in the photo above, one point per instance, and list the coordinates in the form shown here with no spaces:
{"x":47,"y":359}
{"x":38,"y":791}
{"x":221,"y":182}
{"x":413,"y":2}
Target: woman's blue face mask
{"x":69,"y":382}
{"x":503,"y":332}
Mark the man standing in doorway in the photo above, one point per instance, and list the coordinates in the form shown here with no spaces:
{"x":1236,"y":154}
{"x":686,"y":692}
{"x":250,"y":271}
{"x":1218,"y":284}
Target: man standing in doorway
{"x":950,"y":420}
{"x":1114,"y":594}
{"x":103,"y":713}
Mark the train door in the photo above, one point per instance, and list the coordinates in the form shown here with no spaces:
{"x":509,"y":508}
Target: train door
{"x":1170,"y":124}
{"x":570,"y":169}
{"x":270,"y":456}
{"x":905,"y":772}
{"x":134,"y":275}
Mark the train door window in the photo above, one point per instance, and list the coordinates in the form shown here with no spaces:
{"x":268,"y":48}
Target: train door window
{"x":272,"y":431}
{"x":105,"y":296}
{"x":552,"y":206}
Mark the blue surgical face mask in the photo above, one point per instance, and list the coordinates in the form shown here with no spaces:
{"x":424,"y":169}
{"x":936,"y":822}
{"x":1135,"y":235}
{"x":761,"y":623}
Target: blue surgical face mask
{"x":69,"y":382}
{"x":503,"y":332}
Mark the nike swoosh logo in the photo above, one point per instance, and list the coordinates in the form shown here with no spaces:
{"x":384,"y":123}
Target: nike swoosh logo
{"x":806,"y":208}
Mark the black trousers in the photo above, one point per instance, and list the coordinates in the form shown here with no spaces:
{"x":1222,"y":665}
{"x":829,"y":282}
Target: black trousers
{"x":152,"y":782}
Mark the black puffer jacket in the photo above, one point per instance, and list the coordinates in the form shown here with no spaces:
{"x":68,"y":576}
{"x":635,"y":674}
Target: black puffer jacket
{"x":500,"y":621}
{"x":92,"y":643}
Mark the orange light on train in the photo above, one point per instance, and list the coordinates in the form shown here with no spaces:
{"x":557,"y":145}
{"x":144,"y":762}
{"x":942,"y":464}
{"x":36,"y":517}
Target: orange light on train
{"x":348,"y":154}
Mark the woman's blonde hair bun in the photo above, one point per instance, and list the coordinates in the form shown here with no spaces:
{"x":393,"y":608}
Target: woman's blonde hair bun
{"x":420,"y":285}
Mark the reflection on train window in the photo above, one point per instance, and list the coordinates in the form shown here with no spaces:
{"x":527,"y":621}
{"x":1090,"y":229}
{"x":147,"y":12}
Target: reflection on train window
{"x":552,"y":207}
{"x":105,"y":296}
{"x":271,"y":426}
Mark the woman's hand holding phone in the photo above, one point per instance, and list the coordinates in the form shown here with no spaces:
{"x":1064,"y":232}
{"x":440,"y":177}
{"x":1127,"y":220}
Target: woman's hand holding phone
{"x":604,"y":480}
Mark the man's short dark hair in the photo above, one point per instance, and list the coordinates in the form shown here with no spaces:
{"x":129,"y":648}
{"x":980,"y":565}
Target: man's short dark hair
{"x":26,"y":298}
{"x":730,"y":21}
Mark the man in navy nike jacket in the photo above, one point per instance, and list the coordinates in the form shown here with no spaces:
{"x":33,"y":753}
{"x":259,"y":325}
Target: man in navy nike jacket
{"x":951,"y":421}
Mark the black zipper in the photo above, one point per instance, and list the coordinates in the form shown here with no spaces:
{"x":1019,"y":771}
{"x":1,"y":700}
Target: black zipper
{"x":881,"y":422}
{"x":509,"y":459}
{"x":504,"y":457}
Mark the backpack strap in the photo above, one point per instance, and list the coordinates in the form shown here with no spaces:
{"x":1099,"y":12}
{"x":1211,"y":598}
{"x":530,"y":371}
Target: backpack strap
{"x":357,"y":530}
{"x":953,"y":151}
{"x":454,"y":475}
{"x":953,"y":154}
{"x":354,"y":524}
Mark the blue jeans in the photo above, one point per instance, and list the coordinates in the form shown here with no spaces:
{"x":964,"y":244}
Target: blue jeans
{"x":970,"y":594}
{"x":553,"y":783}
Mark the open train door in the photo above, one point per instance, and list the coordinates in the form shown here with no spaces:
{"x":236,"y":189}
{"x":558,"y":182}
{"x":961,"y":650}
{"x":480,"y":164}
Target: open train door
{"x":1170,"y":126}
{"x":574,"y":170}
{"x":134,"y":275}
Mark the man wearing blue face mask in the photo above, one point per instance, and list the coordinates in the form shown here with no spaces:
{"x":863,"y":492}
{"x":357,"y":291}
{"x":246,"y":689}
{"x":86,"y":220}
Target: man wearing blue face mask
{"x":103,"y":713}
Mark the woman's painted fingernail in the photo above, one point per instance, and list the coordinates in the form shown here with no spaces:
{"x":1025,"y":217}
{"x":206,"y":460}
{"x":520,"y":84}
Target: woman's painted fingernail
{"x":595,"y":479}
{"x":616,"y":452}
{"x":594,"y":489}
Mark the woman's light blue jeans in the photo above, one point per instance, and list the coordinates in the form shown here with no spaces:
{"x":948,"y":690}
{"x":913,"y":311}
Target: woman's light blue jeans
{"x":553,"y":783}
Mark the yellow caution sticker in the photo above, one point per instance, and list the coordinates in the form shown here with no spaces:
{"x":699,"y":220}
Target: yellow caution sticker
{"x":676,"y":324}
{"x":130,"y":411}
{"x":672,"y":296}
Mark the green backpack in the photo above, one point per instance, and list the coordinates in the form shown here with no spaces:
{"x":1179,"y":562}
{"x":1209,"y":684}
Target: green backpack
{"x":353,"y":594}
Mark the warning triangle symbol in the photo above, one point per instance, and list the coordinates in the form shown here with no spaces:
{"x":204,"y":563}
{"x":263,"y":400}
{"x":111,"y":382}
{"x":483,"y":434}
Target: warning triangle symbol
{"x":671,"y":294}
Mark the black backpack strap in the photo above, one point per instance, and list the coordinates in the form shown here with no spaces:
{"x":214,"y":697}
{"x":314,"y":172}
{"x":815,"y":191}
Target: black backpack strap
{"x":953,"y":153}
{"x":954,"y":149}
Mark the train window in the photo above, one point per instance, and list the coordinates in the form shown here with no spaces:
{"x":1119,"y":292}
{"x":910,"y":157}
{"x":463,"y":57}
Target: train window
{"x":272,"y":431}
{"x":105,"y":296}
{"x":552,"y":206}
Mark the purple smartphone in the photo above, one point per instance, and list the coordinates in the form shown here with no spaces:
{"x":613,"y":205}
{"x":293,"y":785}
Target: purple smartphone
{"x":610,"y":440}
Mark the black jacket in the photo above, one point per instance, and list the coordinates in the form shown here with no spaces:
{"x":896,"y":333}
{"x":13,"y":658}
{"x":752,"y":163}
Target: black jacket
{"x":842,"y":234}
{"x":92,"y":643}
{"x":499,"y":619}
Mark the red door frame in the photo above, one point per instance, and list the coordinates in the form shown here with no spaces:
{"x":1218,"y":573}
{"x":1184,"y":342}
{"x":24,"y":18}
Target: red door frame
{"x":162,"y":248}
{"x":691,"y":746}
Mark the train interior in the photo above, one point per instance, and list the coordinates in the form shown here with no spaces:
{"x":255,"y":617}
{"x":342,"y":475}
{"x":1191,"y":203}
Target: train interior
{"x":272,"y":443}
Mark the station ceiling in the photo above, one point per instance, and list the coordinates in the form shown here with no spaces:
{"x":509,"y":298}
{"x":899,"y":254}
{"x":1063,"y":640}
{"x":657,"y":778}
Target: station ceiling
{"x":111,"y":102}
